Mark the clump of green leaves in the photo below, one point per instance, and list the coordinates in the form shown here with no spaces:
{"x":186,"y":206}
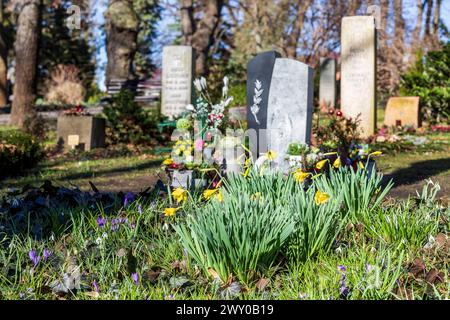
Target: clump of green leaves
{"x":361,"y":190}
{"x":241,"y":236}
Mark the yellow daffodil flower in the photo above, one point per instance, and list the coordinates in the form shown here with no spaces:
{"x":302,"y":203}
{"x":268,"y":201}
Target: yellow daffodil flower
{"x":321,"y":197}
{"x":170,"y":212}
{"x":210,"y":193}
{"x":300,"y":176}
{"x":168,"y":162}
{"x":321,"y":164}
{"x":180,"y":195}
{"x":376,"y":153}
{"x":271,"y":155}
{"x":337,"y":163}
{"x":361,"y":165}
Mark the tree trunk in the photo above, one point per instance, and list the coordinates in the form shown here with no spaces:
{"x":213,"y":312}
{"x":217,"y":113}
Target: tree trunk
{"x":436,"y":20}
{"x":187,"y":21}
{"x":3,"y":62}
{"x":201,"y":35}
{"x":26,"y":50}
{"x":122,"y":26}
{"x":428,"y":20}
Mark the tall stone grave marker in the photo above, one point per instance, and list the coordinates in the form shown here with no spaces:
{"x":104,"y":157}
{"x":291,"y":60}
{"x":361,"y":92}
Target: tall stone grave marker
{"x":177,"y":79}
{"x":358,"y":71}
{"x":279,"y":104}
{"x":327,"y":90}
{"x":402,"y":111}
{"x":290,"y":107}
{"x":259,"y":77}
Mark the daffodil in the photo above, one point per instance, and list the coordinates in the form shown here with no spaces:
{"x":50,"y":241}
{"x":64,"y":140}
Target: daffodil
{"x":337,"y":163}
{"x":300,"y":176}
{"x":271,"y":155}
{"x":170,"y":212}
{"x":361,"y":165}
{"x":168,"y":162}
{"x":180,"y":195}
{"x":321,"y":164}
{"x":213,"y":193}
{"x":376,"y":153}
{"x":321,"y":197}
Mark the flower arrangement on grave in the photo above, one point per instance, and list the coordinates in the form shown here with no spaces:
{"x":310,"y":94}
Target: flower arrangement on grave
{"x":77,"y":111}
{"x":338,"y":133}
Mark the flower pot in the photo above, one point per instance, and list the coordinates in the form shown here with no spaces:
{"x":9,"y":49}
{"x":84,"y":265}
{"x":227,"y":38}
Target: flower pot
{"x":182,"y":179}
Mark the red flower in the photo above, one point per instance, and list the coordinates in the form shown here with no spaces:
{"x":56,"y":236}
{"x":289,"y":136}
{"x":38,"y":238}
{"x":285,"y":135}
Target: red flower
{"x":331,"y":111}
{"x":339,"y":113}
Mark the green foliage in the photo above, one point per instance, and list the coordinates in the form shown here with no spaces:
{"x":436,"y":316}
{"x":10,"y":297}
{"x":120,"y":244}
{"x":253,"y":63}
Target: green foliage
{"x":128,"y":122}
{"x":241,"y":236}
{"x":316,"y":225}
{"x":18,"y":151}
{"x":362,"y":191}
{"x":430,"y":80}
{"x":239,"y":94}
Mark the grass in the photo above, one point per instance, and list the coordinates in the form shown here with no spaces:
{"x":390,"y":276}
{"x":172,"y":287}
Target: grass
{"x":362,"y":265}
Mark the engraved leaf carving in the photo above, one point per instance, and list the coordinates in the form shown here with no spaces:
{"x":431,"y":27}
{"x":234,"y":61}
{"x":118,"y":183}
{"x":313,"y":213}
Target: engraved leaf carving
{"x":257,"y":99}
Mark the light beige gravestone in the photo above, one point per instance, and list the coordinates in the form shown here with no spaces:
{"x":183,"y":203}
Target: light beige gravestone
{"x":402,"y":111}
{"x":358,"y":71}
{"x":177,"y":79}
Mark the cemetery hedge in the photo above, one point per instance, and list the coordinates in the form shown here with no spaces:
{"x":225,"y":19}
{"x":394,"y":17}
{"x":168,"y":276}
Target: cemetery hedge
{"x":19,"y":151}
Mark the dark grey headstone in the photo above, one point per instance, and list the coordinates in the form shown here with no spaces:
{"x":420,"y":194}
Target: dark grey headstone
{"x":259,"y":77}
{"x":327,"y":91}
{"x":90,"y":131}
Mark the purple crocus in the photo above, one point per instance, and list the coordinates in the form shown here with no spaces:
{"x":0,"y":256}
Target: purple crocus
{"x":47,"y":254}
{"x":101,"y":222}
{"x":129,"y":197}
{"x":135,"y":278}
{"x":343,"y":288}
{"x":34,"y":257}
{"x":95,"y":286}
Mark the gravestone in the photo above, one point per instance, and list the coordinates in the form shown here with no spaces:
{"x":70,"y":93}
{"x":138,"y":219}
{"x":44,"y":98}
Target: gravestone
{"x":358,"y":71}
{"x":327,"y":89}
{"x":402,"y":111}
{"x":177,"y":79}
{"x":81,"y":132}
{"x":290,"y":107}
{"x":279,"y":104}
{"x":259,"y":77}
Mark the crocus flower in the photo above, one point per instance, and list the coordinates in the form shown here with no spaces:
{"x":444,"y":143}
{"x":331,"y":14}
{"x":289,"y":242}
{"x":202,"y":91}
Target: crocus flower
{"x":140,"y":209}
{"x":135,"y":278}
{"x":34,"y":257}
{"x":47,"y":254}
{"x":95,"y":286}
{"x":129,"y":197}
{"x":101,"y":222}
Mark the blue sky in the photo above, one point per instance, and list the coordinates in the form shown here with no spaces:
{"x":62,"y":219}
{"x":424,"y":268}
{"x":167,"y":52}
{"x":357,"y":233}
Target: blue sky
{"x":98,"y":19}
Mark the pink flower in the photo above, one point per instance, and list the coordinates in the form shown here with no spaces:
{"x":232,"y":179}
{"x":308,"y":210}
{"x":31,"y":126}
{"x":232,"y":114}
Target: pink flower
{"x":199,"y":144}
